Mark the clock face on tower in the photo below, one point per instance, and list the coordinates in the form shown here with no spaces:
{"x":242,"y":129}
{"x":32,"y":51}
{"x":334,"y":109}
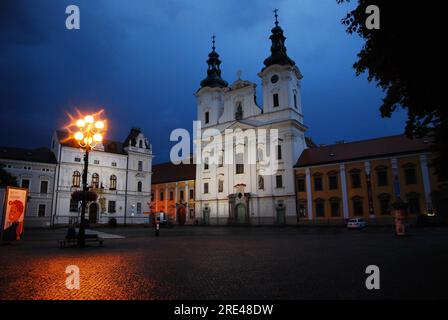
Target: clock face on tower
{"x":274,"y":78}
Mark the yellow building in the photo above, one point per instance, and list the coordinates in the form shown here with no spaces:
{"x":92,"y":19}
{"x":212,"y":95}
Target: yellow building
{"x":363,"y":179}
{"x":173,"y":191}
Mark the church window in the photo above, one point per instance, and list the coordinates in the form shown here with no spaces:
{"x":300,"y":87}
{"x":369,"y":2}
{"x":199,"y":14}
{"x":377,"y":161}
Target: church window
{"x":295,"y":100}
{"x":206,"y":187}
{"x":161,"y":196}
{"x":279,"y":181}
{"x":221,"y":185}
{"x":139,"y":186}
{"x":140,"y":166}
{"x":181,"y":195}
{"x":140,"y":144}
{"x":239,"y":164}
{"x":171,"y":195}
{"x":207,"y":117}
{"x":139,"y":208}
{"x":276,"y":101}
{"x":279,"y":152}
{"x":206,"y":166}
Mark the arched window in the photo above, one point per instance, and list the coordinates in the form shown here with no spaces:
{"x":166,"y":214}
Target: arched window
{"x":95,"y":180}
{"x":139,"y":186}
{"x":140,"y":144}
{"x":76,"y":179}
{"x":113,"y":182}
{"x":239,"y":111}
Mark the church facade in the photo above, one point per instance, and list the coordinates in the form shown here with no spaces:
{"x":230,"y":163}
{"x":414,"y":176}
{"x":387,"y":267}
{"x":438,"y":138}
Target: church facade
{"x":232,"y":189}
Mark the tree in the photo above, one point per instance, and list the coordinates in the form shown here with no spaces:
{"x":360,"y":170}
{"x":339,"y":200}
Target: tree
{"x":406,"y":58}
{"x":6,"y":179}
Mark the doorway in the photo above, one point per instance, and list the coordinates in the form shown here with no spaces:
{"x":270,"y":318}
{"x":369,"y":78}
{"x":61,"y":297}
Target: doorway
{"x":240,"y":211}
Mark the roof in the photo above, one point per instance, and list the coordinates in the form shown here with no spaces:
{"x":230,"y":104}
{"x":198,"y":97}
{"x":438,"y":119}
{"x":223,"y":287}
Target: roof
{"x":42,"y":155}
{"x":365,"y":149}
{"x":110,"y":146}
{"x":169,"y":172}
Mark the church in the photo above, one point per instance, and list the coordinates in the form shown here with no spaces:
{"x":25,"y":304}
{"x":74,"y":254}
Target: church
{"x":240,"y":191}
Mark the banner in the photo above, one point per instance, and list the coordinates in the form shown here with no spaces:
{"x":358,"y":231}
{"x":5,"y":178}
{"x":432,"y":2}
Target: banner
{"x":14,"y":213}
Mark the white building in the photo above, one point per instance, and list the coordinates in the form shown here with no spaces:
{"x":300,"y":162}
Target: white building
{"x":35,"y":170}
{"x":119,"y":172}
{"x":240,"y":192}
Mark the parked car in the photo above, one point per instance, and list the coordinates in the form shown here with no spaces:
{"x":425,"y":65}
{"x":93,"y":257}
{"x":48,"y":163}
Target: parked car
{"x":357,"y":223}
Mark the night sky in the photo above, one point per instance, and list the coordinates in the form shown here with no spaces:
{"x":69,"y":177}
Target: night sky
{"x":142,"y":61}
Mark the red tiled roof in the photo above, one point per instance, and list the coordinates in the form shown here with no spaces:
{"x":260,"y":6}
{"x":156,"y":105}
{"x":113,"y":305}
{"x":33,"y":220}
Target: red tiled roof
{"x":380,"y":147}
{"x":169,"y":172}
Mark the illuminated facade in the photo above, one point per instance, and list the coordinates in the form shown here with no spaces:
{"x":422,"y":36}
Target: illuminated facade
{"x":173,"y":192}
{"x":363,"y":179}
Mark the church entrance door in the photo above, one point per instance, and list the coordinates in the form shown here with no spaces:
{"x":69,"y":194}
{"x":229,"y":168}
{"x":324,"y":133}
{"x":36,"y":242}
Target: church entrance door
{"x":240,"y":213}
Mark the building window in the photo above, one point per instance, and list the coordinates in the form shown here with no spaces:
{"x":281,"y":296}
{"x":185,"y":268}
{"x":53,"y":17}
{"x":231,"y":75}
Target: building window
{"x":333,"y":181}
{"x":335,"y":207}
{"x":414,"y":203}
{"x":171,"y":195}
{"x":111,"y":207}
{"x":279,"y":181}
{"x":181,"y":195}
{"x":113,"y":182}
{"x":139,"y":186}
{"x":279,"y":152}
{"x":140,"y":144}
{"x":152,"y":196}
{"x":355,"y":176}
{"x":206,"y":166}
{"x":239,"y":168}
{"x":140,"y":166}
{"x":206,"y":187}
{"x":295,"y":101}
{"x":358,"y":209}
{"x":95,"y":180}
{"x":41,"y":210}
{"x":384,"y":204}
{"x":320,"y":212}
{"x":114,"y":164}
{"x":191,"y":193}
{"x":161,"y":196}
{"x":275,"y":100}
{"x":318,"y":182}
{"x":77,"y":159}
{"x":220,"y":160}
{"x":221,"y":186}
{"x":25,"y":183}
{"x":239,"y":159}
{"x":260,"y":182}
{"x":302,"y":209}
{"x":301,"y":184}
{"x":44,"y":187}
{"x":139,"y":208}
{"x":74,"y":205}
{"x":410,"y":174}
{"x":76,"y":179}
{"x":96,"y":161}
{"x":381,"y":174}
{"x":207,"y":117}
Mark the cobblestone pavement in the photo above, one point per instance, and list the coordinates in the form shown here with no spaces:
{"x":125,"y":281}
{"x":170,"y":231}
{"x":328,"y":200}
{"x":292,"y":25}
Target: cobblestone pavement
{"x":229,"y":263}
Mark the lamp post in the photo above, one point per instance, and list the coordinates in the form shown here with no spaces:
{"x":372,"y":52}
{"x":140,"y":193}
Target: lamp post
{"x":90,"y":133}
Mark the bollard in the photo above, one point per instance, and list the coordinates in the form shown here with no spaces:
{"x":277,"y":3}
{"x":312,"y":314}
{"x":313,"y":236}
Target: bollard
{"x":157,"y":229}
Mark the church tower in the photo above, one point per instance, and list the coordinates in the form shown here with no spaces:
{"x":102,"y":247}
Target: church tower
{"x":210,"y":97}
{"x":281,"y":77}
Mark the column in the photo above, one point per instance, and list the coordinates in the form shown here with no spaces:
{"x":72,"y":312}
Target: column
{"x":309,"y":196}
{"x":344,"y":191}
{"x":395,"y":177}
{"x":426,"y":181}
{"x":368,"y":171}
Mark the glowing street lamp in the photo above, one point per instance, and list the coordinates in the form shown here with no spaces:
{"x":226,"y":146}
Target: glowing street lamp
{"x":89,"y":133}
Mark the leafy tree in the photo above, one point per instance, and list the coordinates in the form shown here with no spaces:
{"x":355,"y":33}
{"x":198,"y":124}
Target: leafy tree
{"x":406,"y":57}
{"x":6,"y":179}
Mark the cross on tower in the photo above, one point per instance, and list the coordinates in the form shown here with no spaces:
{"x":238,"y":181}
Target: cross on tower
{"x":213,"y":41}
{"x":276,"y":16}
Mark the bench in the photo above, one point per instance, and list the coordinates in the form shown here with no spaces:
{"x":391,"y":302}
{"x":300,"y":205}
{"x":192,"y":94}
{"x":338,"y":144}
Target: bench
{"x":72,"y":240}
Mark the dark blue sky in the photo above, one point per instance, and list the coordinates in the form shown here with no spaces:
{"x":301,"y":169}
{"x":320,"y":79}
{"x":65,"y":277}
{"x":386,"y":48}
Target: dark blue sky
{"x":142,"y":61}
